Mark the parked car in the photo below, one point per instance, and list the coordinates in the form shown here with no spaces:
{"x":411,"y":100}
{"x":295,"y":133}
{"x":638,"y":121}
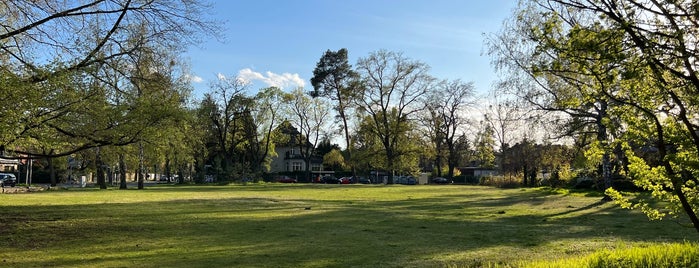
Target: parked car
{"x":329,"y":180}
{"x":345,"y":180}
{"x":441,"y":180}
{"x":286,"y":179}
{"x":8,"y":179}
{"x":364,"y":180}
{"x":405,"y":180}
{"x":172,"y":178}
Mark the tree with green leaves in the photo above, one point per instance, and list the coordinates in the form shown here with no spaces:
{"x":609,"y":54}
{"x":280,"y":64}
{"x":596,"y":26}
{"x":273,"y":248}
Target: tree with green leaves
{"x":560,"y":69}
{"x":456,"y":96}
{"x":65,"y":64}
{"x":267,"y":116}
{"x":334,"y":78}
{"x":391,"y":93}
{"x":228,"y":111}
{"x":484,"y":147}
{"x":647,"y":70}
{"x":309,"y":116}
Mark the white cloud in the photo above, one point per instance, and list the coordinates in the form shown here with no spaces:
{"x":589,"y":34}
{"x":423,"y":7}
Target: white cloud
{"x":284,"y":80}
{"x":194,"y":78}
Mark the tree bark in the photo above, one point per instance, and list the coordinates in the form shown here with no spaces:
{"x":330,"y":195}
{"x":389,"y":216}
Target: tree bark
{"x":52,"y":171}
{"x":140,"y":166}
{"x":100,"y":170}
{"x":122,"y":172}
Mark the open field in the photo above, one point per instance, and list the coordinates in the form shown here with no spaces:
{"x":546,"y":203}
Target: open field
{"x":302,"y":225}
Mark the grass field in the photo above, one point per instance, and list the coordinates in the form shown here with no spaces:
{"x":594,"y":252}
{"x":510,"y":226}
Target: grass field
{"x":302,"y":225}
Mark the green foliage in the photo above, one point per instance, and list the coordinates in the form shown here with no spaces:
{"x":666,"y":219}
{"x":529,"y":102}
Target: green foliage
{"x":405,"y":146}
{"x":660,"y":256}
{"x":335,"y":160}
{"x":631,"y":83}
{"x":485,"y":147}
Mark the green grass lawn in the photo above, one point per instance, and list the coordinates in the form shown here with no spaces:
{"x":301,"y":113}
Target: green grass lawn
{"x":302,"y":225}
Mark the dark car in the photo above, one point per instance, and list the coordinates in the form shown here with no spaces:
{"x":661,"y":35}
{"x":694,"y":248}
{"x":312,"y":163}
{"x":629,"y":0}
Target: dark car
{"x":286,"y":179}
{"x":7,"y":179}
{"x":405,"y":180}
{"x":329,"y":180}
{"x":364,"y":180}
{"x":441,"y":180}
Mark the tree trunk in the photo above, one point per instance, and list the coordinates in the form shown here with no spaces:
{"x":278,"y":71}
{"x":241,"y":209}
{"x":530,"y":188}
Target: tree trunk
{"x":525,"y":171}
{"x":532,"y":176}
{"x":677,"y":186}
{"x":438,"y":163}
{"x":180,"y":175}
{"x":52,"y":171}
{"x":140,"y":166}
{"x":602,"y":138}
{"x":348,"y":143}
{"x":122,"y":172}
{"x":100,"y":171}
{"x":451,"y":160}
{"x":389,"y":165}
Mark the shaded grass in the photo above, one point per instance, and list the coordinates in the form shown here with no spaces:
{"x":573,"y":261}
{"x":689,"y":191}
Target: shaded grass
{"x":279,"y":225}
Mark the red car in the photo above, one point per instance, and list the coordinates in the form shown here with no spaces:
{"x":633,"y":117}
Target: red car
{"x":286,"y":179}
{"x":345,"y":180}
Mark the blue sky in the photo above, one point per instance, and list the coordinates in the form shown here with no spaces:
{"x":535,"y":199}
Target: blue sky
{"x":279,"y":42}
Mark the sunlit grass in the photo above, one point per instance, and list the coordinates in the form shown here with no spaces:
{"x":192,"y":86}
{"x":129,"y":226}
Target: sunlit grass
{"x":302,"y":225}
{"x":657,"y":255}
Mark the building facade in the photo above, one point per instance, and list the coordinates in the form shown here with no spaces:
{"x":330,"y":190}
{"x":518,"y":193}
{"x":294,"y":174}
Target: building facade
{"x":289,"y":156}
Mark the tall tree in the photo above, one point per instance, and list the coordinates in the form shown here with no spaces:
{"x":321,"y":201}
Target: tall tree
{"x":645,"y":53}
{"x":505,"y":119}
{"x":391,"y":94}
{"x":309,"y":116}
{"x":456,"y":98}
{"x":228,"y":110}
{"x":266,"y":118}
{"x":485,"y":147}
{"x":555,"y":70}
{"x":76,"y":44}
{"x":446,"y":119}
{"x":334,"y":78}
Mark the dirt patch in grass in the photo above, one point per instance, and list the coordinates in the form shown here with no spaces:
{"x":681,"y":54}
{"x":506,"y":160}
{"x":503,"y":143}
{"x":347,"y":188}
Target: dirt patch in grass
{"x":21,"y":189}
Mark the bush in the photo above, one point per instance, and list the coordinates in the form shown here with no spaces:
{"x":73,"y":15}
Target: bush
{"x":501,"y":181}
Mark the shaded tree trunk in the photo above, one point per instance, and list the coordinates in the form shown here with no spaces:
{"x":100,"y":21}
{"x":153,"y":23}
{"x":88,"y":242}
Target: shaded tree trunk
{"x":525,"y":171}
{"x":52,"y":171}
{"x":602,"y":137}
{"x":101,"y":180}
{"x":452,"y":160}
{"x":122,"y":172}
{"x":140,"y":166}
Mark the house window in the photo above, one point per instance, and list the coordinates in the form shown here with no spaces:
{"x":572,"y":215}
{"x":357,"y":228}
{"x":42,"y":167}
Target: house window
{"x":296,"y":166}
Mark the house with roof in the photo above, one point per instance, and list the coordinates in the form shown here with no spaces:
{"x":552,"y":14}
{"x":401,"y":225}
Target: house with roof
{"x":290,"y":157}
{"x":9,"y":165}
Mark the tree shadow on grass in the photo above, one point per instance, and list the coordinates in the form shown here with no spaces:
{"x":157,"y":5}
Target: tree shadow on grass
{"x":271,"y":232}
